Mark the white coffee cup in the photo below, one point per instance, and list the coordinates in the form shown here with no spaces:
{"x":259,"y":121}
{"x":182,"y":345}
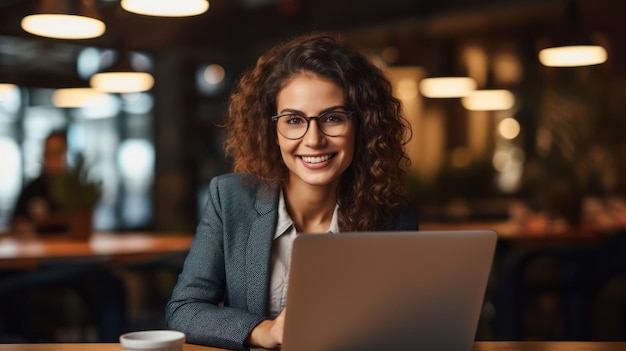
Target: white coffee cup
{"x":153,"y":340}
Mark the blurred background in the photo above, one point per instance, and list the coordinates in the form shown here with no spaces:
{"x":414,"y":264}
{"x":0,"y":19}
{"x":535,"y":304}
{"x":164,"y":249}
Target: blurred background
{"x":546,"y":157}
{"x":557,"y":139}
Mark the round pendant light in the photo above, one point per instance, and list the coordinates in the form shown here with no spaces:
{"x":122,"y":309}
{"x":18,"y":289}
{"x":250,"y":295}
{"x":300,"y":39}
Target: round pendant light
{"x":576,"y":46}
{"x":489,"y":100}
{"x":6,"y":87}
{"x":122,"y":82}
{"x":63,"y":26}
{"x":573,"y":56}
{"x":122,"y":77}
{"x":76,"y":97}
{"x":65,"y":19}
{"x":166,"y":8}
{"x":447,"y":87}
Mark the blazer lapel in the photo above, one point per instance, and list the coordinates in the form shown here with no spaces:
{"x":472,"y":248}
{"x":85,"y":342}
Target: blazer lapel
{"x":259,"y":251}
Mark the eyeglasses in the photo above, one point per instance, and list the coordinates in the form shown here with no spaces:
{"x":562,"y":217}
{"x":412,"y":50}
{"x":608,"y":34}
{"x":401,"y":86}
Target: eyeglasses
{"x":294,"y":126}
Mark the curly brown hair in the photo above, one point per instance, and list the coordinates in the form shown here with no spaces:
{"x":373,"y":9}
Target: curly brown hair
{"x":374,"y":183}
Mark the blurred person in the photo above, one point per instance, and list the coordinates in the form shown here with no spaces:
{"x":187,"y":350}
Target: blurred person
{"x":36,"y":211}
{"x":318,"y":143}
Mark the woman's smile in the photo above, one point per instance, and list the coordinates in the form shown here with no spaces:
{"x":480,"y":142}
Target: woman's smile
{"x":316,"y":159}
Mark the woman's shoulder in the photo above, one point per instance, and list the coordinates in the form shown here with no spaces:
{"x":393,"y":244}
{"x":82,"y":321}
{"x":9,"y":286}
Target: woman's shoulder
{"x":239,"y":191}
{"x":235,"y":180}
{"x":239,"y":184}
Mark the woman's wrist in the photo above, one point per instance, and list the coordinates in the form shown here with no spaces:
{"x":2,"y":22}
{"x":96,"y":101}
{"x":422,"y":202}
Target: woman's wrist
{"x":260,"y":335}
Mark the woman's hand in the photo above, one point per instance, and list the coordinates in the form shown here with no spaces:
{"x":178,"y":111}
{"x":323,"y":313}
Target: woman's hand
{"x":268,"y":334}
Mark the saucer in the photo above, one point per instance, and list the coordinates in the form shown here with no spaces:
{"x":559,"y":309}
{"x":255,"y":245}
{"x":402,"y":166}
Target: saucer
{"x":161,"y":340}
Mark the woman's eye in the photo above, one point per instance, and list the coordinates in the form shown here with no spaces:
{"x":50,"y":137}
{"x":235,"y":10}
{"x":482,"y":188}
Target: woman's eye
{"x":294,"y":119}
{"x":334,"y":118}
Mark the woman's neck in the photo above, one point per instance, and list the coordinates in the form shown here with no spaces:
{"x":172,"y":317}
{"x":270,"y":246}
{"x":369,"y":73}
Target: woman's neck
{"x":311,"y":207}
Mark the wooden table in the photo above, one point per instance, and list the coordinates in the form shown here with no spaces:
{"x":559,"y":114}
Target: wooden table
{"x":96,"y":270}
{"x":28,"y":254}
{"x":478,"y":346}
{"x":532,"y":233}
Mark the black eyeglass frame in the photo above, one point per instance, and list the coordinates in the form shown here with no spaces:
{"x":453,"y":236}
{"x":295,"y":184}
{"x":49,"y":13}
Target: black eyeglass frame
{"x":349,"y":114}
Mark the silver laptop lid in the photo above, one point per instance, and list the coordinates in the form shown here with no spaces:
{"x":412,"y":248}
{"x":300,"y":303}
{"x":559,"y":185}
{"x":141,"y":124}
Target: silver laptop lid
{"x":418,"y":290}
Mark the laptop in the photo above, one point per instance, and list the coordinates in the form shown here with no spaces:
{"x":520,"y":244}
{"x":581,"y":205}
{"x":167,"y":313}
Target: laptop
{"x":420,"y":290}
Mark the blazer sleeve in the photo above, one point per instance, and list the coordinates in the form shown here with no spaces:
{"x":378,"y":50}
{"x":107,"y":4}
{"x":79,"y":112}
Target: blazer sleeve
{"x":196,"y":306}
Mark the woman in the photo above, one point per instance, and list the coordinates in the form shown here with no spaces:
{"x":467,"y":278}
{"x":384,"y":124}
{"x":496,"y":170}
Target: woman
{"x":317,"y":141}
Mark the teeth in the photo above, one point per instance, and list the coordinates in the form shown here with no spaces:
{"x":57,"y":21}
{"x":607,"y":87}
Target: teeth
{"x":317,"y":159}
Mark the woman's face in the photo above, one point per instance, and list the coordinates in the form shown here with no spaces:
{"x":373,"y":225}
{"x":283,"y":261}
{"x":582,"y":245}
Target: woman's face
{"x":315,"y":159}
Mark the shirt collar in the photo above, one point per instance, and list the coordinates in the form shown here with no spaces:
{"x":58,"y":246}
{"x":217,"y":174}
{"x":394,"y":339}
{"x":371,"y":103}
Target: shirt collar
{"x":285,"y":223}
{"x":284,"y":220}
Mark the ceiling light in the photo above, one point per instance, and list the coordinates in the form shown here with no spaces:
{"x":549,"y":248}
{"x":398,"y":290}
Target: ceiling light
{"x":573,"y":56}
{"x":447,"y":87}
{"x":122,"y":82}
{"x":166,"y":8}
{"x":63,"y":26}
{"x":76,"y":97}
{"x":122,"y":77}
{"x":65,"y":19}
{"x":489,"y":100}
{"x":6,"y":87}
{"x":577,"y":46}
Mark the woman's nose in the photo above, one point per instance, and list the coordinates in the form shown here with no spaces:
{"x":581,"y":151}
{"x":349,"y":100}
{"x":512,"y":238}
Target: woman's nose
{"x":314,"y":136}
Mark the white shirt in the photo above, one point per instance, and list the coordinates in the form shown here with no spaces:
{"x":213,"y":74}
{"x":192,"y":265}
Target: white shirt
{"x":281,"y":256}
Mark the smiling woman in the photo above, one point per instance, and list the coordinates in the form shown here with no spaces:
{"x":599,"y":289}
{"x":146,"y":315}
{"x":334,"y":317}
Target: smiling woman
{"x":356,"y":86}
{"x":317,"y":140}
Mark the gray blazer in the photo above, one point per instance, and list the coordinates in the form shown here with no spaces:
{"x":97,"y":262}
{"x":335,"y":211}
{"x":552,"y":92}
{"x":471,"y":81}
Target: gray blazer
{"x":222,"y":292}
